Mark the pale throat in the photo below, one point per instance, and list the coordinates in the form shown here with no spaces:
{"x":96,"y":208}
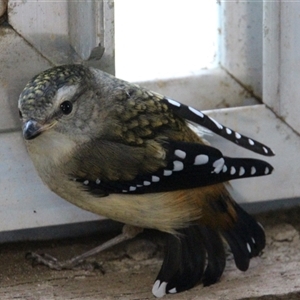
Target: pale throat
{"x":51,"y":147}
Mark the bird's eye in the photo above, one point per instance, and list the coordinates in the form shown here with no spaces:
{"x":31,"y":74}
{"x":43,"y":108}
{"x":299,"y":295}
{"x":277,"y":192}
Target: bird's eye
{"x":66,"y":107}
{"x":20,"y":114}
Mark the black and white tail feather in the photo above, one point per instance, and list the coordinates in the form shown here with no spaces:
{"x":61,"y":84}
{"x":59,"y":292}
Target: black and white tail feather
{"x":184,"y":262}
{"x":246,"y":238}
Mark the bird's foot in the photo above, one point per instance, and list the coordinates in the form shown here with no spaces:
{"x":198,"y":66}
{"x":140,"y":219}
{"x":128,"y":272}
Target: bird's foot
{"x":128,"y":232}
{"x":54,"y":264}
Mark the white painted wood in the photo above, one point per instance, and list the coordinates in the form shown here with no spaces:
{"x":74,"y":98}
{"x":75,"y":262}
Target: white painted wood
{"x":82,"y":27}
{"x":92,"y":23}
{"x":44,"y":24}
{"x":241,"y":41}
{"x":66,"y":31}
{"x":282,"y":60}
{"x":207,"y":89}
{"x":105,"y":23}
{"x":271,"y":55}
{"x":19,"y":62}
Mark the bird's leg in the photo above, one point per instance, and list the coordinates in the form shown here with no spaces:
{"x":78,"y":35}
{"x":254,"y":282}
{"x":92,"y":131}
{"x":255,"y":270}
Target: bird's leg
{"x":128,"y":232}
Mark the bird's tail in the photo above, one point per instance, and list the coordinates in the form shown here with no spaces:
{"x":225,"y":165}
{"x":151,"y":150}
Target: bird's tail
{"x":185,"y":260}
{"x":246,"y":238}
{"x":197,"y":253}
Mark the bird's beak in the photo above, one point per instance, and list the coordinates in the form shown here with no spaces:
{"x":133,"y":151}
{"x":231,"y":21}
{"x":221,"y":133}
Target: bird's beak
{"x":32,"y":129}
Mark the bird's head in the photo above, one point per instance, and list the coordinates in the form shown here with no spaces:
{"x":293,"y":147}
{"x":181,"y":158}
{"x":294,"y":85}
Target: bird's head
{"x":50,"y":101}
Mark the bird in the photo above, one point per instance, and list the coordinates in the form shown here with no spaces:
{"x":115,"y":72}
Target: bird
{"x":133,"y":155}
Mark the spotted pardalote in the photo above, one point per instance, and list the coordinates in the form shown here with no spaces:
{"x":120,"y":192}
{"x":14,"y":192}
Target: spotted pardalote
{"x":127,"y":153}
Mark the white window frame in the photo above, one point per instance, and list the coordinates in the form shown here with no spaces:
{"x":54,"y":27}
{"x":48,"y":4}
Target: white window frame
{"x":245,"y":72}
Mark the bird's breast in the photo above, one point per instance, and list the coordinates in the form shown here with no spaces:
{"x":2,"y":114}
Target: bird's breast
{"x":49,"y":152}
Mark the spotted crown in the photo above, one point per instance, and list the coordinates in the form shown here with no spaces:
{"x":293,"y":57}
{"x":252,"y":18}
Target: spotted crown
{"x":40,"y":90}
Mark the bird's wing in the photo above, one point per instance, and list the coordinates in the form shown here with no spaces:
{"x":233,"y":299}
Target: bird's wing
{"x":147,"y":147}
{"x":144,"y":112}
{"x":198,"y":117}
{"x":184,"y":165}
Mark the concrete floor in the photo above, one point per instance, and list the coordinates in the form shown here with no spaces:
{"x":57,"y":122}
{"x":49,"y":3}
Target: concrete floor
{"x":127,"y":271}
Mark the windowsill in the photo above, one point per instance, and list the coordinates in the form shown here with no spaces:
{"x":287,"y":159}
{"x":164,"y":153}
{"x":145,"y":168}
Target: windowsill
{"x":207,"y":89}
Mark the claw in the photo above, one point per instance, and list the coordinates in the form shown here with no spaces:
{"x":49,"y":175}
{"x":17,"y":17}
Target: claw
{"x":44,"y":259}
{"x":52,"y":263}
